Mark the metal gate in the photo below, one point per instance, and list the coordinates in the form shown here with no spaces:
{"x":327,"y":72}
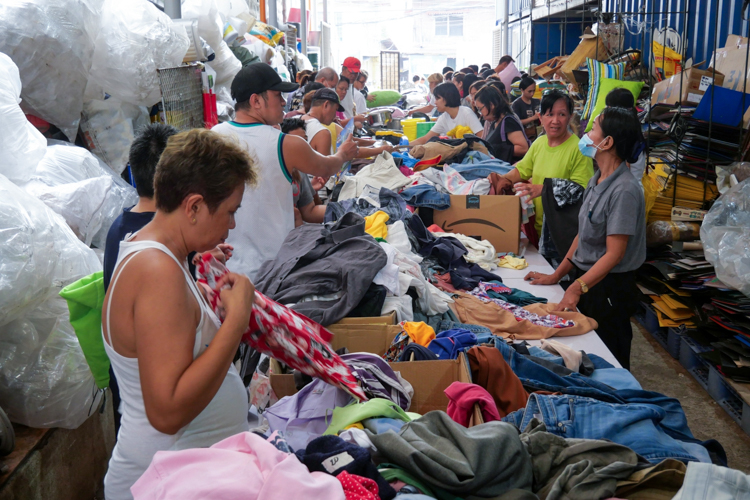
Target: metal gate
{"x":390,"y":68}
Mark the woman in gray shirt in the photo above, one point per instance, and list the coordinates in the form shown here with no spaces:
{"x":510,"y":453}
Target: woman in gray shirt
{"x":611,"y":241}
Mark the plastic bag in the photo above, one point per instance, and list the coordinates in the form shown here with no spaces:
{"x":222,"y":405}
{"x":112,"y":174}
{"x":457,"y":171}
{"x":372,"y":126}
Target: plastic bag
{"x":211,"y":29}
{"x":726,"y":237}
{"x":52,"y":42}
{"x":134,"y":41}
{"x":109,"y":129}
{"x":44,"y":378}
{"x":39,"y":254}
{"x":664,"y":232}
{"x":21,"y":144}
{"x":740,"y":170}
{"x":82,"y":189}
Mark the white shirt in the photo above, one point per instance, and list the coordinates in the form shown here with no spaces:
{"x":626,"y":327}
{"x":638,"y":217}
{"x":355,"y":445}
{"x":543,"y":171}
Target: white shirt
{"x":360,"y":102}
{"x":267,"y":213}
{"x":465,"y":117}
{"x":348,"y":102}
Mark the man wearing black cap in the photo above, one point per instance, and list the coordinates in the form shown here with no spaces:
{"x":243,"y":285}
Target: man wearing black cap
{"x":267,"y":213}
{"x":321,"y":134}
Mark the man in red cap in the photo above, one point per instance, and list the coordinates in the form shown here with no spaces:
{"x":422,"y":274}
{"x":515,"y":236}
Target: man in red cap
{"x":350,"y":69}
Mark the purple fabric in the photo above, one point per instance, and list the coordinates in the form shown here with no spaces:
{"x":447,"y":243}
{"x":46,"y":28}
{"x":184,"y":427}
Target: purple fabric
{"x":303,"y":417}
{"x":377,"y":378}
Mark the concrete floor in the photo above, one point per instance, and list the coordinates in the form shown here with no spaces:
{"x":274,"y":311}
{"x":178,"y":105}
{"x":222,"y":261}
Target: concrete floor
{"x":657,"y":371}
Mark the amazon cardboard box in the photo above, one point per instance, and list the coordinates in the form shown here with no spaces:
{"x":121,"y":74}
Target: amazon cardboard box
{"x":496,"y":219}
{"x":429,"y":379}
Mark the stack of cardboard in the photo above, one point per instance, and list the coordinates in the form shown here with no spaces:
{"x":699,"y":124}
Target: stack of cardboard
{"x":691,"y":193}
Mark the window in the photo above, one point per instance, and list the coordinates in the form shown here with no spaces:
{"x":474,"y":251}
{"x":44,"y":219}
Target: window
{"x":456,"y":25}
{"x":450,"y":25}
{"x":441,"y":25}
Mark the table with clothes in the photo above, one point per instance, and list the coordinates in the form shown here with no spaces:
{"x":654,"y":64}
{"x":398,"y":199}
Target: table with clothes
{"x":558,"y":417}
{"x":557,"y":423}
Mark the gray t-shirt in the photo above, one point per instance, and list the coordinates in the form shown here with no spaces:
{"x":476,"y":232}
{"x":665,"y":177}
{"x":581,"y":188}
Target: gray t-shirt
{"x":615,"y":206}
{"x":303,"y":193}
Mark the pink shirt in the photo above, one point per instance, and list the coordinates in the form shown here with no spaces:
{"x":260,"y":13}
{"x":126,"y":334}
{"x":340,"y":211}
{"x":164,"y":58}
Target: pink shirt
{"x":244,"y":466}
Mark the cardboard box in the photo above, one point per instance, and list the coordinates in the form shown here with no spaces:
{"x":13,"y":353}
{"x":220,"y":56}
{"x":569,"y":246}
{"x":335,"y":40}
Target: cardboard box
{"x":695,"y":82}
{"x":387,"y":319}
{"x":732,"y":61}
{"x":428,"y":378}
{"x":375,"y":339}
{"x":496,"y":219}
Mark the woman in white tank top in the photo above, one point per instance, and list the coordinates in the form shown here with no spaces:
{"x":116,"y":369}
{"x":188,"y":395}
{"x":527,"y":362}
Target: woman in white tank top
{"x":171,"y":355}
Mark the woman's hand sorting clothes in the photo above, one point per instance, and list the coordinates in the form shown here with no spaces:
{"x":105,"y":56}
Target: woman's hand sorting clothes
{"x":501,"y":184}
{"x":223,"y":252}
{"x":541,"y":279}
{"x":570,"y":299}
{"x":237,"y":299}
{"x":526,"y":189}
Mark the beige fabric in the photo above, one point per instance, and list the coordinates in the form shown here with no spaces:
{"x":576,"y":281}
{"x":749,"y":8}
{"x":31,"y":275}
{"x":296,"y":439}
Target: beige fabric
{"x":473,"y":311}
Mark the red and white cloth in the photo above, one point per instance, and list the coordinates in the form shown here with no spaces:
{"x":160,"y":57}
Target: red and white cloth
{"x":283,"y":334}
{"x":358,"y":487}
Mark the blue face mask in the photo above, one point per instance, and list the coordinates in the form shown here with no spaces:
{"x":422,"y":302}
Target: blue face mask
{"x":587,"y":147}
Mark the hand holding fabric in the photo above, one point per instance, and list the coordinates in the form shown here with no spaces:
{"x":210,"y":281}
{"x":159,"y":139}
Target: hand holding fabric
{"x":237,"y":297}
{"x":526,"y":189}
{"x":349,"y":149}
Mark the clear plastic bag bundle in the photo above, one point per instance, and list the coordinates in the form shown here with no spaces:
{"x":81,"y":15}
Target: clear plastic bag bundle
{"x":44,"y":378}
{"x":135,"y":39}
{"x":109,"y":129}
{"x":39,"y":254}
{"x":52,"y":42}
{"x":82,"y":189}
{"x":726,"y":237}
{"x":21,"y":144}
{"x":211,"y":29}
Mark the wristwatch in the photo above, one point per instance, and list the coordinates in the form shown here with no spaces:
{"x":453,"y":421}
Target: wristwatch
{"x":584,"y":286}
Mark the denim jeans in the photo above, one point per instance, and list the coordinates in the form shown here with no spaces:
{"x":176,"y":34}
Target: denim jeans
{"x":426,"y":196}
{"x":633,"y":425}
{"x":618,"y":378}
{"x":484,"y":335}
{"x":538,"y":352}
{"x":390,"y":203}
{"x":538,"y":378}
{"x":482,"y":170}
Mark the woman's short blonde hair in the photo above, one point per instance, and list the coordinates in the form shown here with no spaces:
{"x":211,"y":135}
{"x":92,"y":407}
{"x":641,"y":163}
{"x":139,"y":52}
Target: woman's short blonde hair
{"x":435,"y":78}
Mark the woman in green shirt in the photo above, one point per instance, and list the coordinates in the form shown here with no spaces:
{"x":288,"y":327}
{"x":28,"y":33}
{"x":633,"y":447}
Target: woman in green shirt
{"x":554,"y":155}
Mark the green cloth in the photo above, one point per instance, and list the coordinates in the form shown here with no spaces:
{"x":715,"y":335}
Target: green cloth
{"x":561,"y":162}
{"x":383,"y":98}
{"x":607,"y":85}
{"x":245,"y":56}
{"x":85,"y":298}
{"x":392,"y":473}
{"x":357,"y":412}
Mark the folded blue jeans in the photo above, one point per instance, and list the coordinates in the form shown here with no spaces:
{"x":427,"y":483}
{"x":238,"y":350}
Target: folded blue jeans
{"x":426,"y":196}
{"x":633,"y":425}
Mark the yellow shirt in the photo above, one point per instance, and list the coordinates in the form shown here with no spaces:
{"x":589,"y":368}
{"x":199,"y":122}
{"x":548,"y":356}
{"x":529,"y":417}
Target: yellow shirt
{"x":561,"y":162}
{"x":334,"y":134}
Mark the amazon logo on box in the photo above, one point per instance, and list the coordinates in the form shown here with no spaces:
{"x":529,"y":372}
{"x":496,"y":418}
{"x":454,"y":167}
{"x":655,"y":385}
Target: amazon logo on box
{"x":496,"y":219}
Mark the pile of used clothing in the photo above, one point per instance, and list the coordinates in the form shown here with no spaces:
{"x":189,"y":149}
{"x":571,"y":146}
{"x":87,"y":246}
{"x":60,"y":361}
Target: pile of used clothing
{"x":555,"y":423}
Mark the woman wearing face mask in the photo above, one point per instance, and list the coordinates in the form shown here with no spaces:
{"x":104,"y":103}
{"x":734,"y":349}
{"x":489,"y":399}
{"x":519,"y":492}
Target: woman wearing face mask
{"x":553,"y":155}
{"x":448,"y":102}
{"x":611,"y":241}
{"x":502,"y":129}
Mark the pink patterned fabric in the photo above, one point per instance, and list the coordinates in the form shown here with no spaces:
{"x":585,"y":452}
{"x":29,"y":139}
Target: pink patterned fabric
{"x":283,"y":334}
